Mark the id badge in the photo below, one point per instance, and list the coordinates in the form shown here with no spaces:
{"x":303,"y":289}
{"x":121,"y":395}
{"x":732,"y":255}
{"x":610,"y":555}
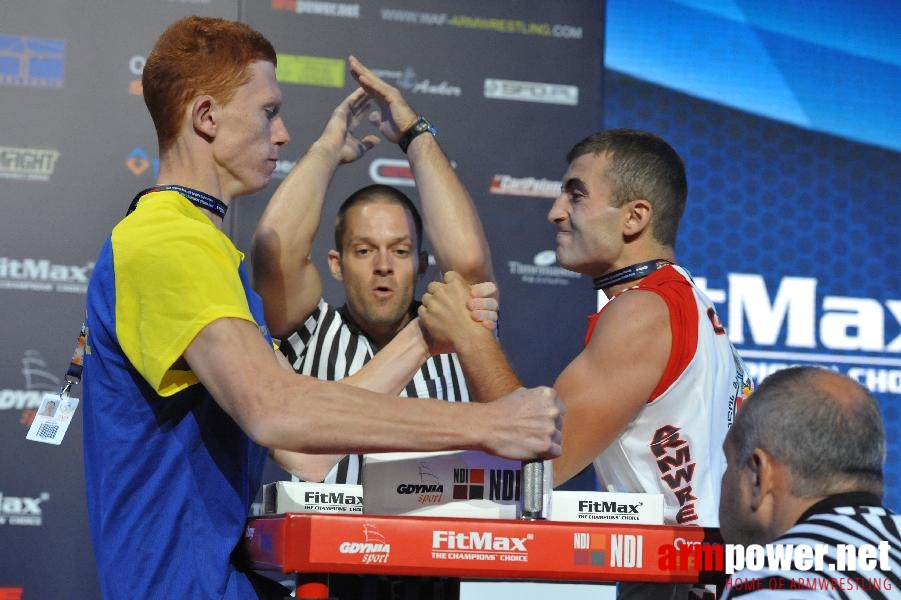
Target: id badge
{"x":53,"y":418}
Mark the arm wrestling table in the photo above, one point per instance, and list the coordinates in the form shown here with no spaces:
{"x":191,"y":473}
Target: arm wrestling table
{"x":314,"y":545}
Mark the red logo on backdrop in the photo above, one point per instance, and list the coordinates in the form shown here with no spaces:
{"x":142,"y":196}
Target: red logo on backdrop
{"x":284,"y":5}
{"x":390,"y":171}
{"x":11,"y":593}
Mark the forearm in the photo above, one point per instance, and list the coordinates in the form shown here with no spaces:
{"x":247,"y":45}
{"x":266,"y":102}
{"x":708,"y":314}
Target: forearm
{"x":294,"y":212}
{"x":488,"y":372}
{"x":388,"y":372}
{"x":341,"y":419}
{"x":452,"y":224}
{"x":392,"y":367}
{"x":280,"y":409}
{"x":284,"y":274}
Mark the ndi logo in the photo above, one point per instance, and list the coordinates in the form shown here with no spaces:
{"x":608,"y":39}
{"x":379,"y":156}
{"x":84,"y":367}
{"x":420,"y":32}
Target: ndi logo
{"x":503,"y":484}
{"x":620,"y":550}
{"x":32,"y":61}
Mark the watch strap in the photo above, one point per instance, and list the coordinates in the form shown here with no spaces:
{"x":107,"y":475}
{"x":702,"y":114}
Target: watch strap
{"x":420,"y":126}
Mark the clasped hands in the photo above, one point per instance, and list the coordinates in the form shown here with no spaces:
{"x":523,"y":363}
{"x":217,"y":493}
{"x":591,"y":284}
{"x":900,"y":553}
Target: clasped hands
{"x":453,"y":312}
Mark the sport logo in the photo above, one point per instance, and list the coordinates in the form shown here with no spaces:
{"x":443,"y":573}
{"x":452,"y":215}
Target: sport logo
{"x":429,"y":488}
{"x":373,"y":549}
{"x":32,"y":61}
{"x":532,"y":91}
{"x":29,"y":164}
{"x":38,"y":380}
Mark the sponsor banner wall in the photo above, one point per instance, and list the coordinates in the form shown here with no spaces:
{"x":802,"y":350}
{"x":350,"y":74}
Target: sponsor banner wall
{"x":509,"y":86}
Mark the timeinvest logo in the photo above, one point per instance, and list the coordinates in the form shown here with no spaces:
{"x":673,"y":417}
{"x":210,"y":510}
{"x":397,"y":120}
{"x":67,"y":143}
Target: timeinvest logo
{"x":32,"y":61}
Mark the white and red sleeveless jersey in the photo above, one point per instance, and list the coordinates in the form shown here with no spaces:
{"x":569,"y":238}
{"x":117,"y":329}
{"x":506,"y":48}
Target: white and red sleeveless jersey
{"x":674,"y":445}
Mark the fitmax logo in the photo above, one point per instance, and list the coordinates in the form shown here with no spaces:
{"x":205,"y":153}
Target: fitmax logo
{"x":843,"y":323}
{"x":43,"y":270}
{"x":590,"y":506}
{"x":332,"y":498}
{"x":474,"y":540}
{"x":21,"y":510}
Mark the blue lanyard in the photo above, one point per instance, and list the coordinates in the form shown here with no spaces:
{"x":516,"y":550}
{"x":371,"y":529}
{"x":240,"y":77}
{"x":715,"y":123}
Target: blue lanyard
{"x":195,"y":197}
{"x":630,"y":273}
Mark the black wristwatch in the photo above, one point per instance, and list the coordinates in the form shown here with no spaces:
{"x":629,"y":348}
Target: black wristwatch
{"x":420,"y":126}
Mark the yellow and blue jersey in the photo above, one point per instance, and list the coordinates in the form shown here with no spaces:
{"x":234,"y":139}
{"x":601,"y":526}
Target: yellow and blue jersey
{"x":170,"y":476}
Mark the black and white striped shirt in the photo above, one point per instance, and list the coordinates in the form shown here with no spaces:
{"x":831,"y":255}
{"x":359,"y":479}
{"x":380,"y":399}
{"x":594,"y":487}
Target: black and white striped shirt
{"x":855,"y":519}
{"x":330,"y":345}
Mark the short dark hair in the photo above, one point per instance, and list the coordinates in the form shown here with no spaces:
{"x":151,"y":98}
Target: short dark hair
{"x":371,"y":194}
{"x":642,"y":165}
{"x":827,"y":442}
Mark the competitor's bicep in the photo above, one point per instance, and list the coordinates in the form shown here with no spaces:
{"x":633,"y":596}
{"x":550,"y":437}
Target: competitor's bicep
{"x":610,"y":381}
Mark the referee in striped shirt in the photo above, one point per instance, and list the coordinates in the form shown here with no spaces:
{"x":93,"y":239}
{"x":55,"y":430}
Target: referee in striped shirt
{"x":805,"y":467}
{"x":378,"y":258}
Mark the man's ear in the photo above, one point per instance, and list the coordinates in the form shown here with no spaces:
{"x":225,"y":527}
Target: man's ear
{"x":334,"y":264}
{"x":204,"y":117}
{"x":763,"y":477}
{"x":423,"y":264}
{"x":638,"y":217}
